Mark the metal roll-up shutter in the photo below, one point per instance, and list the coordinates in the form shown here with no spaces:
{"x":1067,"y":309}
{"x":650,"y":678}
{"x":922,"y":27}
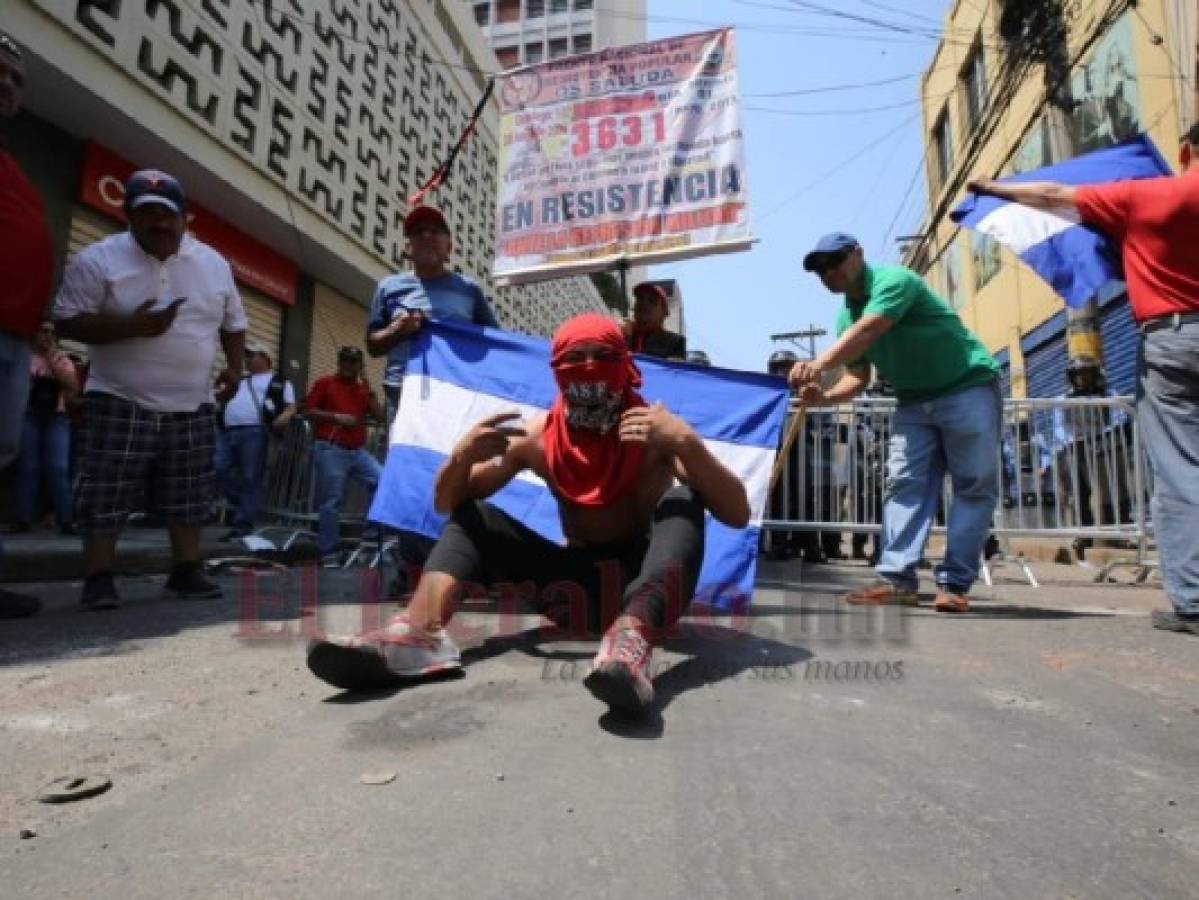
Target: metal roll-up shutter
{"x":338,"y":321}
{"x":1045,"y":357}
{"x":89,"y":226}
{"x":1120,"y":339}
{"x":264,"y":325}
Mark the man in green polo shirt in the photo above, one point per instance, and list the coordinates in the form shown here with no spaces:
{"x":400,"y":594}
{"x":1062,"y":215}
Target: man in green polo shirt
{"x":948,"y":418}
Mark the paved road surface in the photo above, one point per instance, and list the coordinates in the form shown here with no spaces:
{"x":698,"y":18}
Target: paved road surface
{"x":1044,"y":746}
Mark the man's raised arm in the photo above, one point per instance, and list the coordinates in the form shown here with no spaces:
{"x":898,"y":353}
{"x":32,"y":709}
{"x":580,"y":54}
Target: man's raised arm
{"x":472,"y":470}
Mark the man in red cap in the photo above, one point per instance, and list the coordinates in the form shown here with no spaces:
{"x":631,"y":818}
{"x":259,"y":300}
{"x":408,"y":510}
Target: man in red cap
{"x":644,"y":332}
{"x":634,"y":540}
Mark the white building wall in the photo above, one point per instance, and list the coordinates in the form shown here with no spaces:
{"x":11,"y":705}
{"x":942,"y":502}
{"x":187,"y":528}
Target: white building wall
{"x":307,"y":124}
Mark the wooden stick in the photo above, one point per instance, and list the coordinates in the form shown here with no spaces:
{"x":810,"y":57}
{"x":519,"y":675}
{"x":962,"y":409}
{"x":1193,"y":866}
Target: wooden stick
{"x":793,"y":429}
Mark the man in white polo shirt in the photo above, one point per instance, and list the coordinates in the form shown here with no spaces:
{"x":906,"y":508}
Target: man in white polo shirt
{"x":262,"y":404}
{"x":150,"y":304}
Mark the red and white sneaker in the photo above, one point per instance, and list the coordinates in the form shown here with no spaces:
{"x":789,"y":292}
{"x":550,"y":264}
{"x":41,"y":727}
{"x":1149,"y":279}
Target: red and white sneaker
{"x":619,"y":672}
{"x":397,"y":652}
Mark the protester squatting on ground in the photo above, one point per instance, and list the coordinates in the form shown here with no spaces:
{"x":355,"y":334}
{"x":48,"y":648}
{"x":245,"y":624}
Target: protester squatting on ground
{"x":948,"y":417}
{"x":1155,"y":222}
{"x":611,"y":461}
{"x":150,"y":303}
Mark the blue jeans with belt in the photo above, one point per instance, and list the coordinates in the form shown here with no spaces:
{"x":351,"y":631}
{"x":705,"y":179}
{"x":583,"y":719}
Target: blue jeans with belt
{"x":335,"y":464}
{"x":1168,"y":410}
{"x":959,"y":434}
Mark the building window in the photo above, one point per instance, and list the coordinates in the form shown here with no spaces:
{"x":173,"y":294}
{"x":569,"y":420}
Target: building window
{"x":534,"y":53}
{"x":482,"y":13}
{"x":943,"y":147}
{"x":508,"y":56}
{"x":974,"y":87}
{"x":559,"y":6}
{"x":581,"y":5}
{"x":534,"y":9}
{"x":582,"y":43}
{"x":507,"y":11}
{"x":559,"y":48}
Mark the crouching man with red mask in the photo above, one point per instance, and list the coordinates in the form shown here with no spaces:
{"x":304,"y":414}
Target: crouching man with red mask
{"x":634,"y":538}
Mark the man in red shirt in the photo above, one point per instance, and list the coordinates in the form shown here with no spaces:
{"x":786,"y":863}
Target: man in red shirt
{"x":1155,"y":222}
{"x":337,"y":405}
{"x":26,"y":269}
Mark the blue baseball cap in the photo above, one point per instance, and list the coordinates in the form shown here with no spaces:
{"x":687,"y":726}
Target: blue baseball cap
{"x":837,"y":242}
{"x":152,"y":186}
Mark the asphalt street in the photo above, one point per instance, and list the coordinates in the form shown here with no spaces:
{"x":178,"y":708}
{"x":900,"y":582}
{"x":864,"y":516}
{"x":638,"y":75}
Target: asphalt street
{"x":1044,"y":745}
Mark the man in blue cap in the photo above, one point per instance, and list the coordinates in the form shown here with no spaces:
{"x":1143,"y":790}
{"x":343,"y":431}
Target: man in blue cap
{"x":151,"y":303}
{"x":948,"y":419}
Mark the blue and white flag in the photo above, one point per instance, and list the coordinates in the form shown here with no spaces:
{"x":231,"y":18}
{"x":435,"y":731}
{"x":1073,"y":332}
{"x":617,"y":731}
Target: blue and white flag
{"x":1075,"y":259}
{"x":459,"y":374}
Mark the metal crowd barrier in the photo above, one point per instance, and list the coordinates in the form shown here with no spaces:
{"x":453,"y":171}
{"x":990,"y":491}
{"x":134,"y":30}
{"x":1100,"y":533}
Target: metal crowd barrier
{"x":291,"y":493}
{"x":1068,"y":469}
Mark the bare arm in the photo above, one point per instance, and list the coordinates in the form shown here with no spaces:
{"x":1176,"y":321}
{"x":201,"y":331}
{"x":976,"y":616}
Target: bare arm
{"x":376,"y":408}
{"x":722,"y":491}
{"x":472,"y":470}
{"x":380,"y":341}
{"x":1037,"y":194}
{"x":106,"y":328}
{"x":849,"y":347}
{"x":852,"y":383}
{"x":234,"y":345}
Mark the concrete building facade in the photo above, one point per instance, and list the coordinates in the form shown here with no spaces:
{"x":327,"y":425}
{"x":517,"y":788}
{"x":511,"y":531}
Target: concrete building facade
{"x":524,"y":32}
{"x":299,"y":131}
{"x":987,"y":111}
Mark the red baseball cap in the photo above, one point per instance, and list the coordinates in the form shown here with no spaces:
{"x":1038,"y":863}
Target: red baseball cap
{"x":422,"y":214}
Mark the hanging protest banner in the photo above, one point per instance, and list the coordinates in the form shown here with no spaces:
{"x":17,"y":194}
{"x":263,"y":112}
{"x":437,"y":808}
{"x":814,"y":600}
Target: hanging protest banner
{"x":628,"y":155}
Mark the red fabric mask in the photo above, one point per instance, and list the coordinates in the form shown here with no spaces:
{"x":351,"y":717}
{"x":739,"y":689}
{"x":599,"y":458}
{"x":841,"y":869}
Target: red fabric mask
{"x":588,"y":463}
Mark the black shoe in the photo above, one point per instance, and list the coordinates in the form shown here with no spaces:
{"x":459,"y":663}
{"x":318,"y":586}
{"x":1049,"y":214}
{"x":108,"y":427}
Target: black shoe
{"x":20,"y":528}
{"x":1172,"y":621}
{"x":187,"y":583}
{"x":18,"y":606}
{"x":815,"y":556}
{"x":234,"y":534}
{"x":99,"y":592}
{"x":69,"y":529}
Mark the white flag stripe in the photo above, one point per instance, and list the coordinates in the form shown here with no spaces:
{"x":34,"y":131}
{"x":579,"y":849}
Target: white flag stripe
{"x":1020,"y":228}
{"x":434,"y":414}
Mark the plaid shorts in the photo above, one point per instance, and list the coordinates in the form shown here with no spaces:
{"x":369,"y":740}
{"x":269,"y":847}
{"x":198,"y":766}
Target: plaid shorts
{"x":126,"y":448}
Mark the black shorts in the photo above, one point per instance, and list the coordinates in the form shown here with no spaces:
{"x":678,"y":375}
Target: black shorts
{"x":124,"y":448}
{"x":652,"y":576}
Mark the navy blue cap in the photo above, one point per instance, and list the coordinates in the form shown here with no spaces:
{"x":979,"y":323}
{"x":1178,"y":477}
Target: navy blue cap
{"x":837,"y":242}
{"x":152,"y":186}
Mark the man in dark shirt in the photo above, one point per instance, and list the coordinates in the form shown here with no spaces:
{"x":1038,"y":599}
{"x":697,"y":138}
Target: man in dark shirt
{"x":644,"y":332}
{"x":337,"y":405}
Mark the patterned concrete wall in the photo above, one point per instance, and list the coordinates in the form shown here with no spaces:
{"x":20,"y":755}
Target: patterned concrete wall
{"x":348,"y":104}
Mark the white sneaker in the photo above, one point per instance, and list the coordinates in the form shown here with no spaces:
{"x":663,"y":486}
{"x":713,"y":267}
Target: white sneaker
{"x":397,"y":652}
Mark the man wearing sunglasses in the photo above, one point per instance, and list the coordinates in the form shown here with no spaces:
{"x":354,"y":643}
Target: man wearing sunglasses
{"x":948,"y":419}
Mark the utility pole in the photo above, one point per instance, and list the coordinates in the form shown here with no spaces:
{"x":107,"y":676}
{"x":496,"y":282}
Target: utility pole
{"x":1040,"y":29}
{"x":795,"y":337}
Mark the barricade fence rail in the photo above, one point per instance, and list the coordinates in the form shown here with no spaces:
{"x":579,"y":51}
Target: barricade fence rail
{"x":292,"y":492}
{"x":1067,"y":468}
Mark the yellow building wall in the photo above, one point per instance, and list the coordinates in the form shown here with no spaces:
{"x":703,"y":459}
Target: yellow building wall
{"x":1014,"y":301}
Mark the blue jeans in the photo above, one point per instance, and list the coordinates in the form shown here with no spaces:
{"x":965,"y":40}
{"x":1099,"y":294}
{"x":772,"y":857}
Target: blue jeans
{"x":45,"y":456}
{"x":1168,"y":410}
{"x":334,"y":464}
{"x":14,"y":393}
{"x":958,"y":434}
{"x":240,"y":457}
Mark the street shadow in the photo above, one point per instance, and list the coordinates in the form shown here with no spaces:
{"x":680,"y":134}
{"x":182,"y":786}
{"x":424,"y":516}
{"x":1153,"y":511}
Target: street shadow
{"x":714,"y":654}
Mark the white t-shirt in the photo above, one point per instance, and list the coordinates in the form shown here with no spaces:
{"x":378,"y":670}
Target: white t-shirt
{"x":244,"y":408}
{"x":171,"y":372}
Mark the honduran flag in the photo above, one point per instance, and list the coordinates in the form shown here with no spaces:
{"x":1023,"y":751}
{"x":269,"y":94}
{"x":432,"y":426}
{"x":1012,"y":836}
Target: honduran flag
{"x":1075,"y":259}
{"x":459,"y":374}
